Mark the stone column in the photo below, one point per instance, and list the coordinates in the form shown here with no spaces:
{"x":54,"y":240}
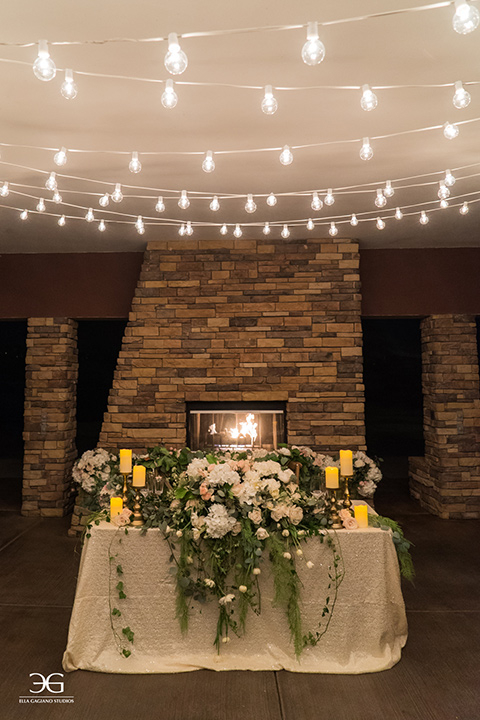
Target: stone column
{"x":447,"y":480}
{"x":50,"y":416}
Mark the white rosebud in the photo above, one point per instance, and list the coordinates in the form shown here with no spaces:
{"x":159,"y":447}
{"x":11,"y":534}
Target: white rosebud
{"x":256,"y":571}
{"x":287,"y":556}
{"x":168,"y":530}
{"x":285,"y":533}
{"x":226,"y":639}
{"x":189,"y":560}
{"x":299,"y":552}
{"x":209,"y":582}
{"x":179,"y":533}
{"x":301,"y":533}
{"x":243,"y":588}
{"x":309,"y":564}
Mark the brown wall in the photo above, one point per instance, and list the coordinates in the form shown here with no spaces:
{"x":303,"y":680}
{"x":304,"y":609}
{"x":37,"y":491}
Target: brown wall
{"x":396,"y":283}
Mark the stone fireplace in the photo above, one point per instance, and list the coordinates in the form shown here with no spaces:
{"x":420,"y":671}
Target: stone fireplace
{"x":242,"y":321}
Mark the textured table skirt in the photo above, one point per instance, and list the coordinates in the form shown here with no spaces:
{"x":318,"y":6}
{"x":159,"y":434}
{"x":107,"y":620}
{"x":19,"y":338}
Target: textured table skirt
{"x":366,"y":633}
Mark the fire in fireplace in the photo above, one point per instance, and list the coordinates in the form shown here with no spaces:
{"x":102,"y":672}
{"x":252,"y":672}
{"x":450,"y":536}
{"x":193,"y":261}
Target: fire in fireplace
{"x":235,"y":426}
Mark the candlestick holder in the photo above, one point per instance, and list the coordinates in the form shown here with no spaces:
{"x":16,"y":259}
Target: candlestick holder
{"x":125,"y":489}
{"x":137,"y":520}
{"x":295,"y":467}
{"x":333,"y":511}
{"x":346,"y":502}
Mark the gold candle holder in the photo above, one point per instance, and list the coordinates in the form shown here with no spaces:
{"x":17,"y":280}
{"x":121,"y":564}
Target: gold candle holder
{"x":346,"y":502}
{"x":137,"y":520}
{"x":125,"y":489}
{"x":333,"y":511}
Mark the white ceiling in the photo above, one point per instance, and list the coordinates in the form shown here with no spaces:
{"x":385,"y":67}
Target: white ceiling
{"x":418,"y":48}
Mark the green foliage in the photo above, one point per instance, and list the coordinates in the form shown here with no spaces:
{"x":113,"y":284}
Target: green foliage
{"x":287,"y":588}
{"x":129,"y":634}
{"x":402,"y":545}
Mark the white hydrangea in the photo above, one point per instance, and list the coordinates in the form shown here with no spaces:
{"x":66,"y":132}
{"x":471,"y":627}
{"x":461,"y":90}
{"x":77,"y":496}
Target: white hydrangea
{"x":259,"y":453}
{"x":218,"y":522}
{"x":268,"y":467}
{"x":323,"y":461}
{"x":271,"y":486}
{"x":196,"y":466}
{"x":223,"y":474}
{"x":284,"y":451}
{"x":367,"y":488}
{"x":245,"y":492}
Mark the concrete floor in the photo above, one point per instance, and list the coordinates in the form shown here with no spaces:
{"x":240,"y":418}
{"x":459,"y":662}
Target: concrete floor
{"x":437,"y":678}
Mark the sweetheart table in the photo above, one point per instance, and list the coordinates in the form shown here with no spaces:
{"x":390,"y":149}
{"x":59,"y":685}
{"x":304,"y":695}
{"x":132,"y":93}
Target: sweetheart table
{"x":366,"y":633}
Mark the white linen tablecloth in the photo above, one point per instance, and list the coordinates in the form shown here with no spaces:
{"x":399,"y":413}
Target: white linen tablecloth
{"x":366,"y":634}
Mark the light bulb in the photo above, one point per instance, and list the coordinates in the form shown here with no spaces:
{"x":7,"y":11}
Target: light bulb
{"x":189,"y":229}
{"x":101,"y":226}
{"x":223,"y":230}
{"x":316,"y":203}
{"x":271,"y":200}
{"x":169,"y":96}
{"x":184,"y":202}
{"x":139,"y":226}
{"x":443,"y":191}
{"x":388,"y":190}
{"x":285,"y":232}
{"x":269,"y":104}
{"x":329,"y":199}
{"x":117,"y":195}
{"x":208,"y":164}
{"x":41,"y":205}
{"x":449,"y":179}
{"x":57,"y":198}
{"x":424,"y":217}
{"x":310,"y":224}
{"x":215,"y":205}
{"x":5,"y":190}
{"x":464,"y":209}
{"x":135,"y":165}
{"x":398,"y":214}
{"x":238,"y":231}
{"x":366,"y":152}
{"x":104,"y":200}
{"x":60,"y":158}
{"x":90,"y":217}
{"x":266,"y":229}
{"x":462,"y":98}
{"x":175,"y":60}
{"x":69,"y":88}
{"x":380,"y":200}
{"x":61,"y":221}
{"x":313,"y":51}
{"x":333,"y":230}
{"x":286,"y":157}
{"x":369,"y":100}
{"x":24,"y":214}
{"x":450,"y":130}
{"x":250,"y":206}
{"x":466,"y":18}
{"x":51,"y":182}
{"x":160,"y":206}
{"x":354,"y":220}
{"x":443,"y":204}
{"x":44,"y":67}
{"x":181,"y":230}
{"x":380,"y":224}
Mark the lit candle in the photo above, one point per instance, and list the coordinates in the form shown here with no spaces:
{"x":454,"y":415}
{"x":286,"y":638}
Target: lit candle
{"x":331,"y":478}
{"x":116,"y":506}
{"x":138,"y":477}
{"x":346,"y":463}
{"x":125,"y":462}
{"x":361,"y":515}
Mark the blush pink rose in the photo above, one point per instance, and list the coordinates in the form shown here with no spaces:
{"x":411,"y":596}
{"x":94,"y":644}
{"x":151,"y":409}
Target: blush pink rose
{"x":350,"y":523}
{"x":205,"y":493}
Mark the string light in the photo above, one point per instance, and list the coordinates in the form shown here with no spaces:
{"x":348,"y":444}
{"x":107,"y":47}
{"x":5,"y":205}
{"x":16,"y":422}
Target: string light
{"x":223,"y":229}
{"x":139,"y":226}
{"x":354,"y":220}
{"x":329,"y":198}
{"x":104,"y":200}
{"x":443,"y":191}
{"x":117,"y":195}
{"x":464,"y":209}
{"x":44,"y":67}
{"x":60,"y":158}
{"x":250,"y":205}
{"x":61,"y":221}
{"x":41,"y":205}
{"x":90,"y":217}
{"x":238,"y":231}
{"x":310,"y":224}
{"x":466,"y":18}
{"x":388,"y":190}
{"x":285,"y":232}
{"x":286,"y":157}
{"x":215,"y":205}
{"x":208,"y":164}
{"x":461,"y":98}
{"x":380,"y":224}
{"x":175,"y":60}
{"x":313,"y":51}
{"x":184,"y":202}
{"x":101,"y":226}
{"x":450,"y":130}
{"x":189,"y":229}
{"x":316,"y":203}
{"x":69,"y":88}
{"x":443,"y":203}
{"x":333,"y":230}
{"x":398,"y":214}
{"x":135,"y":165}
{"x":423,"y":218}
{"x":51,"y":182}
{"x":366,"y":152}
{"x":5,"y":190}
{"x":160,"y":206}
{"x":181,"y":229}
{"x":24,"y":214}
{"x":169,"y":96}
{"x":449,"y":179}
{"x":271,"y":200}
{"x":266,"y":229}
{"x":269,"y":103}
{"x":57,"y":198}
{"x":369,"y":100}
{"x":380,"y":200}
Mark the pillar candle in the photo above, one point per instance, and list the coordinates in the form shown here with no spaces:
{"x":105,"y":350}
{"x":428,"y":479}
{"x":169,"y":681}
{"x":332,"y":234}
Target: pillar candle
{"x":138,"y":478}
{"x":361,"y":515}
{"x":116,"y":506}
{"x":331,"y":478}
{"x":346,"y":463}
{"x":126,"y":461}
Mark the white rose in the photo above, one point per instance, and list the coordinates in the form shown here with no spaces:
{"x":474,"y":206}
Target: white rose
{"x":284,"y":451}
{"x":243,"y":588}
{"x":261,"y":534}
{"x":255,"y":516}
{"x":285,"y":533}
{"x":295,"y":514}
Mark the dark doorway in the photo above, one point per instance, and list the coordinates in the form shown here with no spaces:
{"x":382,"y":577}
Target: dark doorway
{"x":99,"y":343}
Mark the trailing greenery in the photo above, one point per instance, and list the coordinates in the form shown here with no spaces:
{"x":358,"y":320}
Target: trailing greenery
{"x":402,"y":545}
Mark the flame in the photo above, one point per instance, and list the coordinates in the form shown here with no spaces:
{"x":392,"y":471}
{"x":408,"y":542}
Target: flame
{"x":247,"y":428}
{"x":212,"y":430}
